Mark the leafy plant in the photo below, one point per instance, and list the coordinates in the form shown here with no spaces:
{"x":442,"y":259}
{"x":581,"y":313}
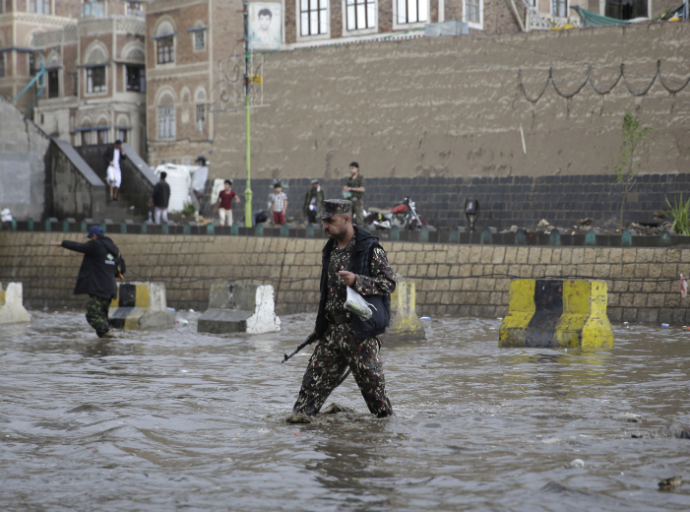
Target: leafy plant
{"x":681,"y":215}
{"x":626,"y":172}
{"x":189,"y":209}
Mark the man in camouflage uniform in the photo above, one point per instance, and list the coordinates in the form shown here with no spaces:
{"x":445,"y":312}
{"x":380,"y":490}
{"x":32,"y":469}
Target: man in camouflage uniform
{"x":355,"y":187}
{"x":352,"y":257}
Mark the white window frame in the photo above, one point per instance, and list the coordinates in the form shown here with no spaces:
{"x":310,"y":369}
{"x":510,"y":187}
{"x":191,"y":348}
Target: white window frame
{"x":474,"y":24}
{"x":86,"y":82}
{"x":171,"y":129}
{"x":361,"y":31}
{"x":298,"y":23}
{"x":553,"y":14}
{"x":199,"y":30}
{"x":407,"y":26}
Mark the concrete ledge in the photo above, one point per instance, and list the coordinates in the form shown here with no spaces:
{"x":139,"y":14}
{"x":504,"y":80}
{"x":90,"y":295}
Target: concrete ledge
{"x":557,"y":313}
{"x":240,"y":308}
{"x":12,"y":309}
{"x":140,"y":306}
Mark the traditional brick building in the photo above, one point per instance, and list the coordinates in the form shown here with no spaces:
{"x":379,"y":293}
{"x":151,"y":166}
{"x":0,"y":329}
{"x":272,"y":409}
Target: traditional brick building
{"x":19,"y":21}
{"x":180,"y":40}
{"x":95,"y":76}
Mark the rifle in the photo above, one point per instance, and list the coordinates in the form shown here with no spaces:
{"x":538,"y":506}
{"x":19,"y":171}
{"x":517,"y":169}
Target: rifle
{"x":310,"y":339}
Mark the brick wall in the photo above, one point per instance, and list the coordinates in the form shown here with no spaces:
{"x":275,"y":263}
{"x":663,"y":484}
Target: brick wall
{"x":451,"y":279}
{"x":506,"y":201}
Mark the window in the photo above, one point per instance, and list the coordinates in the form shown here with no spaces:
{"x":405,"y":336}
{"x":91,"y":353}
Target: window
{"x":199,"y":40}
{"x":200,"y":113}
{"x":122,"y":134}
{"x":166,"y":50}
{"x":134,"y":9}
{"x":136,"y":79}
{"x":86,"y":138}
{"x":559,"y":8}
{"x":93,"y":8}
{"x":473,"y":11}
{"x":39,"y":6}
{"x":53,"y":84}
{"x":2,"y":64}
{"x":75,"y":83}
{"x":361,"y":14}
{"x":95,"y":79}
{"x":32,"y":63}
{"x":166,"y":122}
{"x":102,"y":136}
{"x":411,"y":11}
{"x":313,"y":17}
{"x":626,"y":9}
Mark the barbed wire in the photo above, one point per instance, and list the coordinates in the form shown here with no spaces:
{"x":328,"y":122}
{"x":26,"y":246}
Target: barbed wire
{"x":588,"y":80}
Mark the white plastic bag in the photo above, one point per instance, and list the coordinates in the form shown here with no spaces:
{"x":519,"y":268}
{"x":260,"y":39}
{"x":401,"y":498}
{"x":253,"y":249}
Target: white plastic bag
{"x":357,"y":305}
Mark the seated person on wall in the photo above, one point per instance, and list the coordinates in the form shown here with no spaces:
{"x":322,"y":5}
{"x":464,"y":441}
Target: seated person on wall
{"x":101,"y":264}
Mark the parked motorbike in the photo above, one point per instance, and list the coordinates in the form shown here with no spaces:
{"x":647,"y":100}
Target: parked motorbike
{"x":404,"y":215}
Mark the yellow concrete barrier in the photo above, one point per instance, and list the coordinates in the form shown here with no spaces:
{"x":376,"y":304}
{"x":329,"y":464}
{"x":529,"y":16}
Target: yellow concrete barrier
{"x":556,"y":313}
{"x":405,"y":324}
{"x":140,"y":306}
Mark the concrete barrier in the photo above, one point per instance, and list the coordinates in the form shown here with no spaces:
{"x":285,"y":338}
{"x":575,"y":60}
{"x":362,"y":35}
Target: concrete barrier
{"x":140,"y":306}
{"x":405,"y":324}
{"x":12,"y":309}
{"x":557,"y":313}
{"x":240,"y":308}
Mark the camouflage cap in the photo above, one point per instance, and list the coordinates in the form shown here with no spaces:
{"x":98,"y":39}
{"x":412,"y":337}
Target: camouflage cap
{"x":333,"y":206}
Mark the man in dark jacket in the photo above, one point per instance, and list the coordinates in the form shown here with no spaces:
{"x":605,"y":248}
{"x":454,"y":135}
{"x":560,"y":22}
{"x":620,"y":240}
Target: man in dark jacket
{"x":160,"y":199}
{"x":97,"y":277}
{"x":352,"y":257}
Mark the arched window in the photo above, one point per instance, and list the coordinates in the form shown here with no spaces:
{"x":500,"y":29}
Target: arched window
{"x":200,"y":107}
{"x":166,"y":117}
{"x":95,"y":71}
{"x":165,"y":43}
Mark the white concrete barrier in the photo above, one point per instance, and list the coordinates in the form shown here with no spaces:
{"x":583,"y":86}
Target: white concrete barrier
{"x":12,"y":309}
{"x":240,"y":308}
{"x":140,"y":306}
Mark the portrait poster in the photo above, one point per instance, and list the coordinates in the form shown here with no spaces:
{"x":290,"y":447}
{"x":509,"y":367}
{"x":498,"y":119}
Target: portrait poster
{"x":265,"y":22}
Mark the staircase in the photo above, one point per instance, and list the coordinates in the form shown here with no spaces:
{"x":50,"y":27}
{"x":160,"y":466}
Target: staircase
{"x":138,"y":180}
{"x":117,"y":211}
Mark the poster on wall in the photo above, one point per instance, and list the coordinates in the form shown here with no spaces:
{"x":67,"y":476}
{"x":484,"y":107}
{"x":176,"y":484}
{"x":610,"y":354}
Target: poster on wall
{"x":265,"y":25}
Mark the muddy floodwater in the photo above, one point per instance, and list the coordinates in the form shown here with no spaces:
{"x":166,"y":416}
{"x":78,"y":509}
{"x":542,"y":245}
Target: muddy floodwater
{"x":174,"y":420}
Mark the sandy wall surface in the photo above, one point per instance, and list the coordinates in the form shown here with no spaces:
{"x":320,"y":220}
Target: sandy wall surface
{"x":453,"y":107}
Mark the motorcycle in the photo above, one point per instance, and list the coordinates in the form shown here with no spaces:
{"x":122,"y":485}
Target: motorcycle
{"x":404,"y":215}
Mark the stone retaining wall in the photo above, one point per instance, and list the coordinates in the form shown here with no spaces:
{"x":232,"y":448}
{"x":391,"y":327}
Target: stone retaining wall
{"x":451,"y":279}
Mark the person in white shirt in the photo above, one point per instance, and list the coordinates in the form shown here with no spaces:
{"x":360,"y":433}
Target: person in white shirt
{"x":113,"y":158}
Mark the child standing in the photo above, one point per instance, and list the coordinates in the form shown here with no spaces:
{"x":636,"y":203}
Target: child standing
{"x":224,"y":204}
{"x":279,"y":204}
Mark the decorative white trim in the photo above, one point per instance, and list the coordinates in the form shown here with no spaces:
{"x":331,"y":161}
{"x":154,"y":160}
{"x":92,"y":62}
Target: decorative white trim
{"x":341,"y":41}
{"x":410,"y":26}
{"x":298,"y":20}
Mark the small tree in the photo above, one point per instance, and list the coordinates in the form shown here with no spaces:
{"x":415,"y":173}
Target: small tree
{"x":626,"y":173}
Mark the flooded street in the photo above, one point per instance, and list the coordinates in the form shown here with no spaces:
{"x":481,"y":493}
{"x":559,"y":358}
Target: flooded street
{"x":175,"y":420}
